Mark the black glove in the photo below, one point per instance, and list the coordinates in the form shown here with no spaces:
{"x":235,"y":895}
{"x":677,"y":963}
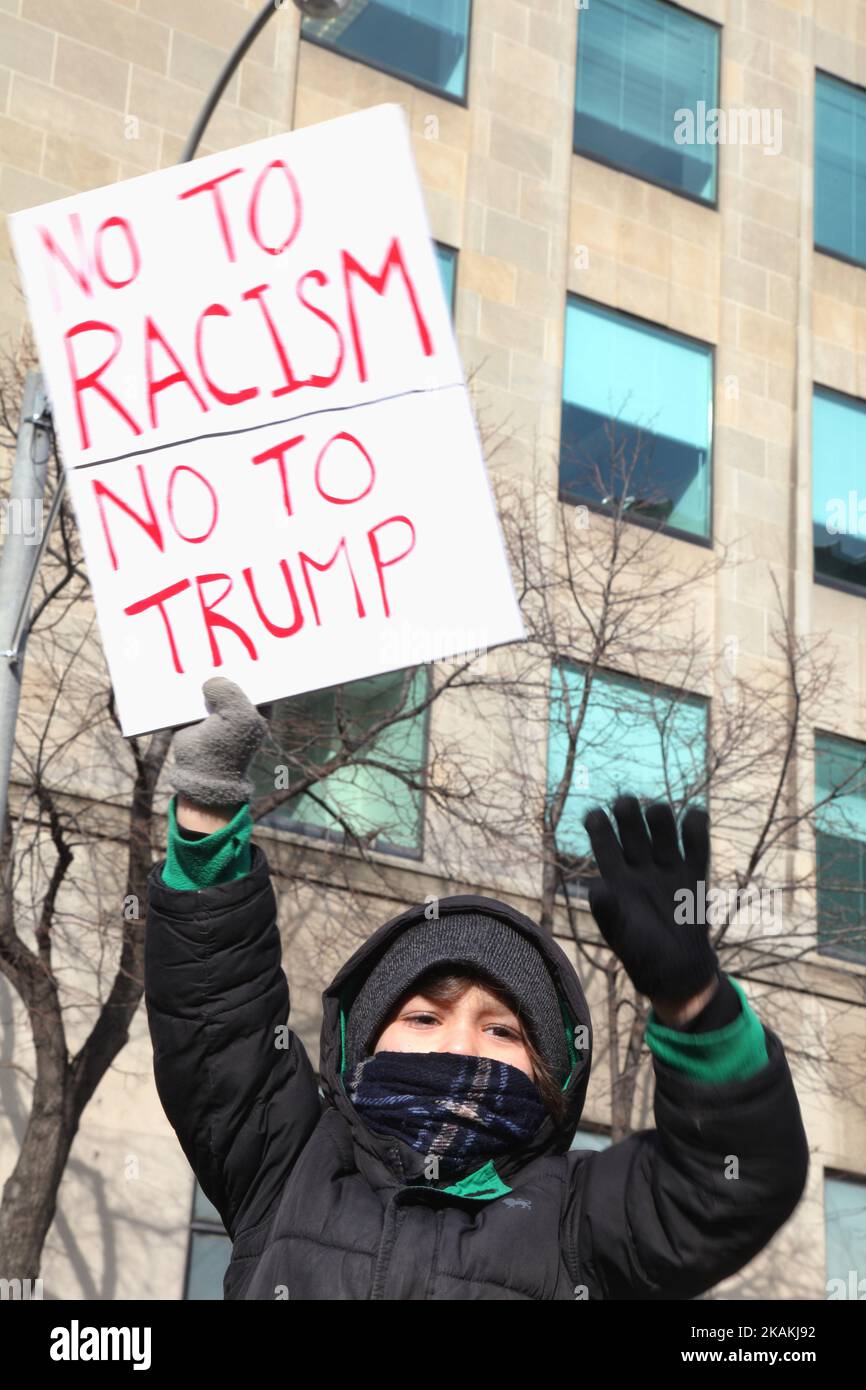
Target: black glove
{"x":634,"y":905}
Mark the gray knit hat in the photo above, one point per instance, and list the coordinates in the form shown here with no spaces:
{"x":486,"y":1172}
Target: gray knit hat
{"x":462,"y":938}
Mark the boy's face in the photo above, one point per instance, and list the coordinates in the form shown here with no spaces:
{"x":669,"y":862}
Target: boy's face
{"x":476,"y":1025}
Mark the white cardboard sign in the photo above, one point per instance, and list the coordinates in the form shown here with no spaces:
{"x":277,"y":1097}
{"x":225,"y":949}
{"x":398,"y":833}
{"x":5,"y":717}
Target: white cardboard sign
{"x":264,"y":421}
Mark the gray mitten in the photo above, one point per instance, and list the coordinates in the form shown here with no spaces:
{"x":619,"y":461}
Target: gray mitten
{"x":211,"y":758}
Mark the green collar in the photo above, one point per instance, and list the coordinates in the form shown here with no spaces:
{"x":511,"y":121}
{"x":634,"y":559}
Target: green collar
{"x":482,"y":1185}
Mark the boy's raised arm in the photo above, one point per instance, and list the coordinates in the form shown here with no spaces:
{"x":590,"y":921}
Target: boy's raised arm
{"x":668,"y":1213}
{"x":236,"y":1084}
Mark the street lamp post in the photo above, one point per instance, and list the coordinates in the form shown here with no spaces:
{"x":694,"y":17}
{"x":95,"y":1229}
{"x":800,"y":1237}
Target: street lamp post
{"x":18,"y":569}
{"x":314,"y":9}
{"x":18,"y":564}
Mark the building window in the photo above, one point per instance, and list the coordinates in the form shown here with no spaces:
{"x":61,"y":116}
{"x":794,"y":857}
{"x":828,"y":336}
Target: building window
{"x":636,"y":418}
{"x":635,"y":737}
{"x":838,"y":521}
{"x":209,"y":1252}
{"x":845,"y":1230}
{"x":423,"y":41}
{"x":376,"y":796}
{"x":446,"y":259}
{"x":590,"y":1139}
{"x":840,"y":833}
{"x":647,"y":79}
{"x":840,"y":168}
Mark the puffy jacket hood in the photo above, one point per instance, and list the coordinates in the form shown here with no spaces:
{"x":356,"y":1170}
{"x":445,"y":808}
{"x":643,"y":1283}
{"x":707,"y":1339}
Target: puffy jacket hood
{"x":337,"y":999}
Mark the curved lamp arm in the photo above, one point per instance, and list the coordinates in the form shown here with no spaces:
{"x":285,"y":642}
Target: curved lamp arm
{"x":315,"y":9}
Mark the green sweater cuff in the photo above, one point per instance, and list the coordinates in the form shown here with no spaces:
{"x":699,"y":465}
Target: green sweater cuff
{"x":218,"y":858}
{"x":732,"y":1053}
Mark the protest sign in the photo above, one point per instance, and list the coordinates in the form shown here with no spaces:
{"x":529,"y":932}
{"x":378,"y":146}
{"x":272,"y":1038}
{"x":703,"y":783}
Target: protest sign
{"x":264,"y":421}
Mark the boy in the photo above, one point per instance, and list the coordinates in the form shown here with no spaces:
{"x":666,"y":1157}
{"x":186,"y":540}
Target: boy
{"x":455,"y":1057}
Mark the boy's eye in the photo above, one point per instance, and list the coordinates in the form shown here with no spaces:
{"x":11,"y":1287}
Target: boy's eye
{"x":501,"y":1030}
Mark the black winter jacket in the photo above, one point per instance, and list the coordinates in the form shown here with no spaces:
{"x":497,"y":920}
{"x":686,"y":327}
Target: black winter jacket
{"x":319,"y":1207}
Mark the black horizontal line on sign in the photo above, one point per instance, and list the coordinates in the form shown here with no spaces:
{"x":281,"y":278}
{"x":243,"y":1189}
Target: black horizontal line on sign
{"x":268,"y":424}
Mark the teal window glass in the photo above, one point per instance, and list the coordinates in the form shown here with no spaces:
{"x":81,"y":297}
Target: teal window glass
{"x":840,"y":833}
{"x":845,"y":1229}
{"x":423,"y":41}
{"x":636,"y":418}
{"x":635,"y":738}
{"x":590,"y":1139}
{"x":840,"y":168}
{"x":838,"y":496}
{"x":210,"y":1251}
{"x":446,"y":259}
{"x":376,"y":795}
{"x":641,"y":65}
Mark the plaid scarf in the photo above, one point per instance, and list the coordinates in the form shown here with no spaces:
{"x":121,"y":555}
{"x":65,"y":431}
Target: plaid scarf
{"x":460,"y":1110}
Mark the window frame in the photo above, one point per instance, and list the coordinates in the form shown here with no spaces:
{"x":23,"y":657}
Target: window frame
{"x":198,"y":1225}
{"x":676,"y":532}
{"x":843,"y":1175}
{"x":586,"y":1128}
{"x":330,"y":835}
{"x":455,"y":252}
{"x":402,"y":76}
{"x":826,"y":250}
{"x":844,"y":586}
{"x":845,"y":955}
{"x":577,"y":891}
{"x":712,"y":204}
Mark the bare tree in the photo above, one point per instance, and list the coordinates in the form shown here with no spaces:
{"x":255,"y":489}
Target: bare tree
{"x":615,"y":643}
